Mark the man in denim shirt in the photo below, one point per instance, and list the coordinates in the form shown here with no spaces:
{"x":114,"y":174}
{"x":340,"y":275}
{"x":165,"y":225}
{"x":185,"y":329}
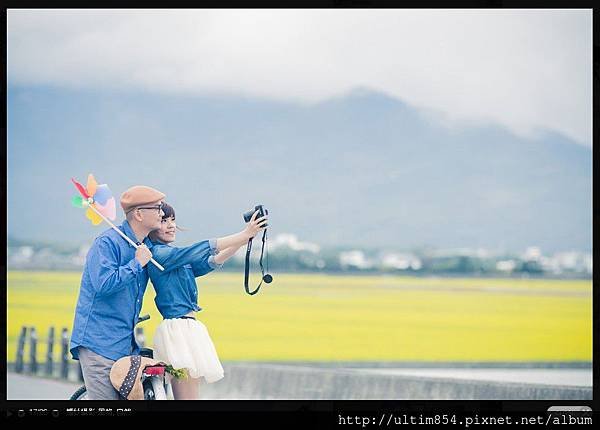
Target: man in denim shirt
{"x":112,"y":288}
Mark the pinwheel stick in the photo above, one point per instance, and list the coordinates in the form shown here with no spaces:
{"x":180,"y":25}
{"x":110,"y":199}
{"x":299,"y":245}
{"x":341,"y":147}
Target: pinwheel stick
{"x":131,"y":242}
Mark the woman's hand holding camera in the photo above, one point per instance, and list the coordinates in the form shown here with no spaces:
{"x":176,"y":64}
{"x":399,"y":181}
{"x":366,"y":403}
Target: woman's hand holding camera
{"x":255,"y":225}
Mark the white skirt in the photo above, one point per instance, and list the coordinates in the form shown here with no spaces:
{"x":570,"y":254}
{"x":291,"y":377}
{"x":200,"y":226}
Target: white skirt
{"x":185,"y":344}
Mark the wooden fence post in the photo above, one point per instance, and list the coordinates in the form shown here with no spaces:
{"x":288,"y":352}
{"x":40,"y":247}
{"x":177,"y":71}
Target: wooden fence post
{"x":49,"y":351}
{"x":64,"y":361}
{"x":20,"y":350}
{"x":33,"y":350}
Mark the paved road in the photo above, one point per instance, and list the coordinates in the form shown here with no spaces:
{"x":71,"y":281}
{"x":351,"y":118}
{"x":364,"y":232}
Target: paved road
{"x":568,"y":377}
{"x":23,"y":387}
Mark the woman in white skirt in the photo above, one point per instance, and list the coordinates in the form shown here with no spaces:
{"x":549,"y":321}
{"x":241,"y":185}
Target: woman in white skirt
{"x":181,"y":340}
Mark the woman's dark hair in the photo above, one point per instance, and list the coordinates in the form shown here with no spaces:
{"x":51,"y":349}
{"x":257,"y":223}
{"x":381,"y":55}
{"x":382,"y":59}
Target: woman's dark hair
{"x":169,"y":212}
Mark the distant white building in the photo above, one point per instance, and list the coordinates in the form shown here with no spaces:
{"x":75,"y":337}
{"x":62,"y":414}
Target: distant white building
{"x":572,"y":262}
{"x":23,"y":254}
{"x":291,"y":241}
{"x":561,"y":262}
{"x":567,"y":260}
{"x":401,"y":261}
{"x":533,"y":253}
{"x":506,"y":266}
{"x":355,"y":259}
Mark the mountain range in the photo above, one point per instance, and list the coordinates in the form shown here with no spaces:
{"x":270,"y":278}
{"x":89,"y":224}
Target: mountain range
{"x":360,"y":170}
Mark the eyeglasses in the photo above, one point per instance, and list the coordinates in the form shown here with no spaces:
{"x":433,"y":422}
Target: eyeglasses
{"x":157,"y":207}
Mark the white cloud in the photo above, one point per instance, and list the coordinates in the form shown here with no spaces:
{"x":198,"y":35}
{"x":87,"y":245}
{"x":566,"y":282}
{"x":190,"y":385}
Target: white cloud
{"x":526,"y":69}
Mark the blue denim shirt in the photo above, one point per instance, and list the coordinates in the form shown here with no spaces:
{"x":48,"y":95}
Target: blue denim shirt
{"x":110,"y":296}
{"x":176,"y":289}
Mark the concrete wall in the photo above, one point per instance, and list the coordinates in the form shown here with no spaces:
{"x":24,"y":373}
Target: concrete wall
{"x":332,"y":381}
{"x":272,"y":381}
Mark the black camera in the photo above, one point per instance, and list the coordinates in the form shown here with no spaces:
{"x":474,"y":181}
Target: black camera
{"x":266,"y":278}
{"x":261,"y":212}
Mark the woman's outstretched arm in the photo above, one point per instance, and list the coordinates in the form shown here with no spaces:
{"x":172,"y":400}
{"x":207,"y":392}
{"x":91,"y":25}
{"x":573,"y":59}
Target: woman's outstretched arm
{"x":226,"y":254}
{"x":202,"y":267}
{"x":232,"y":241}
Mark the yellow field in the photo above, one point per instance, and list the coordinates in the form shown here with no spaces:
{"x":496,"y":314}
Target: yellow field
{"x":323,"y":318}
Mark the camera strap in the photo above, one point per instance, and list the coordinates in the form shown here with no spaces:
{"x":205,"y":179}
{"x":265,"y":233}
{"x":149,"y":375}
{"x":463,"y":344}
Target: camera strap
{"x":247,"y":268}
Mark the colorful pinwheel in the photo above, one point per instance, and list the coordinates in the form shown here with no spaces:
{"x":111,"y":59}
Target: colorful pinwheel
{"x":97,"y":199}
{"x":100,"y":206}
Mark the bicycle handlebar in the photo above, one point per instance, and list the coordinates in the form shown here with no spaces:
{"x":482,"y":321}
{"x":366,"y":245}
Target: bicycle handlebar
{"x":143,"y":318}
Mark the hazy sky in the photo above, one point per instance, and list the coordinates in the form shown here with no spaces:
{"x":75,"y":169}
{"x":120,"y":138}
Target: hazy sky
{"x":525,"y":69}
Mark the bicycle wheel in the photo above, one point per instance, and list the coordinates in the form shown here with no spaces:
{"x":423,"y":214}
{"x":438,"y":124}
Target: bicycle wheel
{"x":158,"y":389}
{"x":80,"y":394}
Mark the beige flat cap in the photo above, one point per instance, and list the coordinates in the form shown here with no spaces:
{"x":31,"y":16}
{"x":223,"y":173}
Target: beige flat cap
{"x":126,"y":375}
{"x":139,"y":195}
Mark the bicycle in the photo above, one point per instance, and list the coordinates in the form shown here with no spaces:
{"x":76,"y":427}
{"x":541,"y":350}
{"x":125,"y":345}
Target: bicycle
{"x":154,"y":383}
